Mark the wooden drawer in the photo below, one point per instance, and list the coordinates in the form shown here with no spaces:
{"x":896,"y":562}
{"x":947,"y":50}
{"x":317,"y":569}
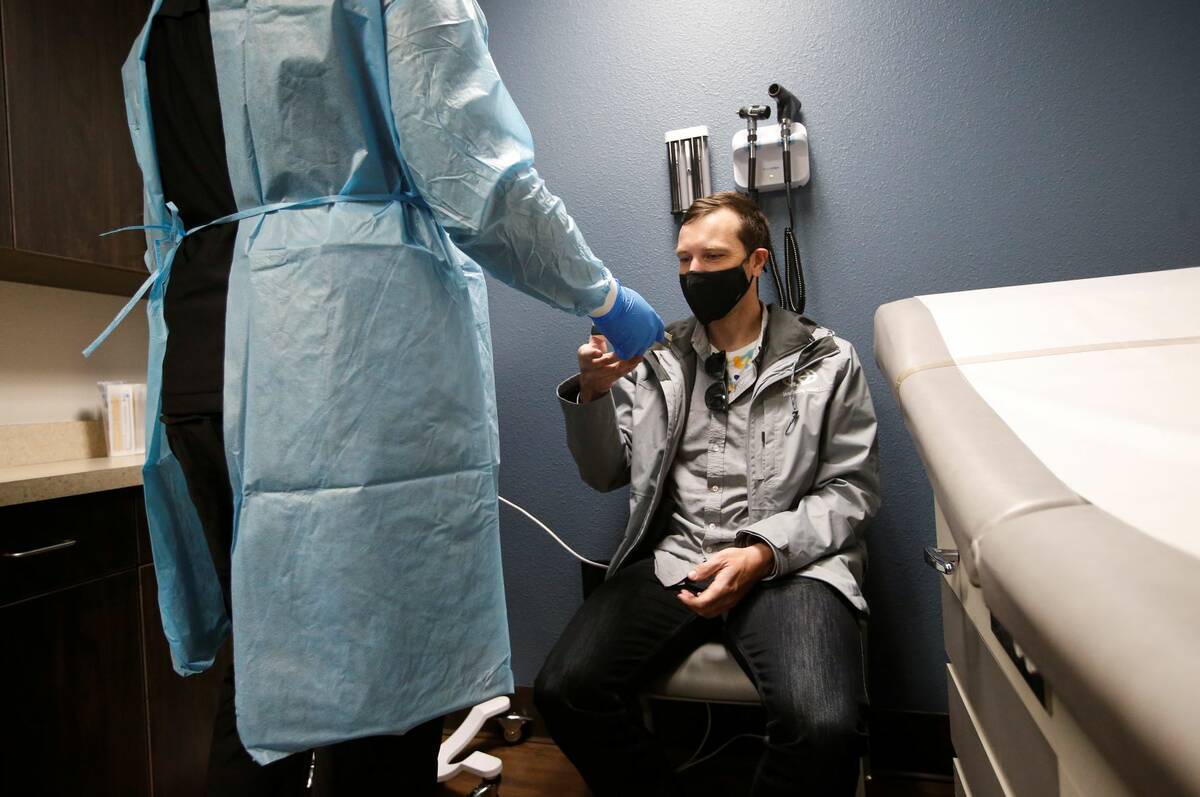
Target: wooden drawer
{"x":100,"y":527}
{"x":1018,"y":749}
{"x":74,"y":710}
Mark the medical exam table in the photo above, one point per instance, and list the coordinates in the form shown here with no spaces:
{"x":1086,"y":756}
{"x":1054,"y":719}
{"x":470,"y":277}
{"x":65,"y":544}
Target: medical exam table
{"x":1059,"y":425}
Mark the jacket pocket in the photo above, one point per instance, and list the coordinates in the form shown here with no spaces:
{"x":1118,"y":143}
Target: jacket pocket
{"x":790,"y":433}
{"x":772,"y":432}
{"x":758,"y":446}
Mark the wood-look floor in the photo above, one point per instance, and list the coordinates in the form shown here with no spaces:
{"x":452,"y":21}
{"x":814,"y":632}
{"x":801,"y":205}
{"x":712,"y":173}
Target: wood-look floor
{"x":533,"y":768}
{"x":536,"y":768}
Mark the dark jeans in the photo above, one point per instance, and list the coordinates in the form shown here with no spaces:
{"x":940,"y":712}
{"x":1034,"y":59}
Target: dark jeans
{"x":797,"y":637}
{"x":374,"y":765}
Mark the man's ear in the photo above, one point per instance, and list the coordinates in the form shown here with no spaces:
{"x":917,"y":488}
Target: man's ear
{"x":758,"y":261}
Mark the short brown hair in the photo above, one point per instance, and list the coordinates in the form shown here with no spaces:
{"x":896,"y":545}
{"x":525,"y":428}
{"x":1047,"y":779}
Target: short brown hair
{"x":754,"y":232}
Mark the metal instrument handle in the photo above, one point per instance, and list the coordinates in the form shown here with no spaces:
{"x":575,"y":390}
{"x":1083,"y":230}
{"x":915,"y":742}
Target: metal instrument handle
{"x":58,"y":546}
{"x":943,"y":560}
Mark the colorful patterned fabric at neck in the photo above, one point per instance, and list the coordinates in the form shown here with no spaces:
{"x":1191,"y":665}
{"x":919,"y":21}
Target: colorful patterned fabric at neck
{"x":739,"y":366}
{"x":740,"y":369}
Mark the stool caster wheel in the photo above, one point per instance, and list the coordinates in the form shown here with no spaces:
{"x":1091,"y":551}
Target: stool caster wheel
{"x":487,"y":788}
{"x":516,"y":727}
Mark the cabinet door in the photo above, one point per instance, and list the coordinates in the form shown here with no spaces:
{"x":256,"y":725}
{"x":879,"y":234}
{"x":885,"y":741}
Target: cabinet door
{"x":74,"y":175}
{"x":98,"y":529}
{"x":74,"y":719}
{"x":6,"y":222}
{"x":181,"y":709}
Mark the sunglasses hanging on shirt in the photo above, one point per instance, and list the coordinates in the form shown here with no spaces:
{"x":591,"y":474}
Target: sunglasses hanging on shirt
{"x":716,"y":398}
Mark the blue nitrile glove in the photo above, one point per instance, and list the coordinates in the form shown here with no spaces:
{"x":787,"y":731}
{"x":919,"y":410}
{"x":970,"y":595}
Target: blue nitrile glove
{"x":631,"y":326}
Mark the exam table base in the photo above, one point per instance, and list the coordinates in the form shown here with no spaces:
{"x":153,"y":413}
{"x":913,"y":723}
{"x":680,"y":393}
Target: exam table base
{"x":1008,"y":742}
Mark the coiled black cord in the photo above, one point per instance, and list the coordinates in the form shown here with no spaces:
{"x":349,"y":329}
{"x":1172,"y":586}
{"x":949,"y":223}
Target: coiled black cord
{"x":781,"y":288}
{"x":794,"y":269}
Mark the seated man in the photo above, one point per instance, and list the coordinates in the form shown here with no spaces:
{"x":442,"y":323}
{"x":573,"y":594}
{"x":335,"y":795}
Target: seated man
{"x":749,"y":448}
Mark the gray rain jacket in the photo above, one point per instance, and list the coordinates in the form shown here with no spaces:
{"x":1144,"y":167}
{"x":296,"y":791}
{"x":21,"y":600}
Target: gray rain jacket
{"x":813,"y":480}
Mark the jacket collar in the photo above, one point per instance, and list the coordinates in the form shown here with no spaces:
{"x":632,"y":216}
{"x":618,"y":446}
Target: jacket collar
{"x":787,"y":333}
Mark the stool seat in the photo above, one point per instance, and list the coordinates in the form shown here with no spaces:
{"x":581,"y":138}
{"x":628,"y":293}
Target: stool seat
{"x":710,"y":674}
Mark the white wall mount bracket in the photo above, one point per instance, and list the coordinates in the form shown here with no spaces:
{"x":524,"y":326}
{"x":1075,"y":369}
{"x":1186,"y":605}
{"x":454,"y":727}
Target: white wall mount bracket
{"x":769,"y":157}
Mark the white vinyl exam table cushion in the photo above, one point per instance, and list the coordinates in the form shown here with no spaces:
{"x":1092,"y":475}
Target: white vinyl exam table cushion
{"x":1059,"y":427}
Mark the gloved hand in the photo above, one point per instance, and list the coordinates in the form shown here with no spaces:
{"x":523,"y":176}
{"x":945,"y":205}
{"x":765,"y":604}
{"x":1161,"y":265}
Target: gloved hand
{"x":631,"y":326}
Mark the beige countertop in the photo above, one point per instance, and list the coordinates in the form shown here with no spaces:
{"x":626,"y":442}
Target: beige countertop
{"x":54,"y":460}
{"x":20,"y":484}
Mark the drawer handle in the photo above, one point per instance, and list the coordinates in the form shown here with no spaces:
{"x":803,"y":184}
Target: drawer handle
{"x":943,"y":560}
{"x":58,"y":546}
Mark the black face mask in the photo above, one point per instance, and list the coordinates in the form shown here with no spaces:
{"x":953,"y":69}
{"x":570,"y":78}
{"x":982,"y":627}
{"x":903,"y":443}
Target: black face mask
{"x":712,"y":294}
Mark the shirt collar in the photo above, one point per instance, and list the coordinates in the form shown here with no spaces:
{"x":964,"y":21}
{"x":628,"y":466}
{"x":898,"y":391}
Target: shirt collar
{"x":700,"y":341}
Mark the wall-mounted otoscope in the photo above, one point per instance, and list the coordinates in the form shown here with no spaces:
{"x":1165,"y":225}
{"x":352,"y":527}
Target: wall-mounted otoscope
{"x":787,"y":108}
{"x":772,"y":157}
{"x":786,"y":104}
{"x":752,"y":113}
{"x":767,"y":149}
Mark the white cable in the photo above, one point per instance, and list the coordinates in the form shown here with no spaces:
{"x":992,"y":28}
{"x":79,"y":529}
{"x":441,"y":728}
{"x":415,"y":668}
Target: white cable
{"x":716,"y":752}
{"x":557,"y":539}
{"x":693,"y":761}
{"x":703,"y":740}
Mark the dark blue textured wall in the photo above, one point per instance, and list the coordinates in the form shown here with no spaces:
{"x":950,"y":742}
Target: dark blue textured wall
{"x":955,"y":145}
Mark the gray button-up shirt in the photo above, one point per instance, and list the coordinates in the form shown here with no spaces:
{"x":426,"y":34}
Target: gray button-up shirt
{"x":708,"y":476}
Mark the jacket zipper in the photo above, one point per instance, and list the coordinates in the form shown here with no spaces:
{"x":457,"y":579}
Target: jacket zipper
{"x":778,"y":372}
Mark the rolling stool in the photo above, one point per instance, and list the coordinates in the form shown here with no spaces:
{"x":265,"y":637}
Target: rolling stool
{"x":711,"y":674}
{"x":485,"y":766}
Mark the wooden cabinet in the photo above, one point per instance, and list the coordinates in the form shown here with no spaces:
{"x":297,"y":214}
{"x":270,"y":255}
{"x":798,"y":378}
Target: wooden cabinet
{"x":92,"y":705}
{"x":180,"y":710}
{"x":52,"y":545}
{"x":6,"y":230}
{"x":75,"y":707}
{"x":72,"y":173}
{"x":74,"y":719}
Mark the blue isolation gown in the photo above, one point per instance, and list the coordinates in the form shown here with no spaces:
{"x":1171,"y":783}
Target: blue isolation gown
{"x":375,"y":158}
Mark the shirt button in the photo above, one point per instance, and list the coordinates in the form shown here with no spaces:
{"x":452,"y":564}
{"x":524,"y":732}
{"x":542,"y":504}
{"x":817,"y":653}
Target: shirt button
{"x":712,"y":525}
{"x":715,"y":488}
